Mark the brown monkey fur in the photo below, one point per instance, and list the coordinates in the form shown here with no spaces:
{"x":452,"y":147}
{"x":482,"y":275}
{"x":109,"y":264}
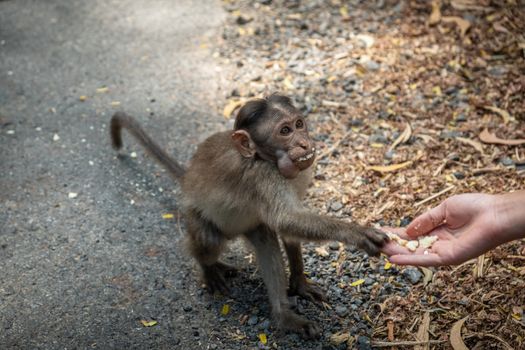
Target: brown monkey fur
{"x":249,"y":182}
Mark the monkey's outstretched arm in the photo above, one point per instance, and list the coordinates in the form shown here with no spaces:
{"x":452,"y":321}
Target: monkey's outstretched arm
{"x":122,"y":120}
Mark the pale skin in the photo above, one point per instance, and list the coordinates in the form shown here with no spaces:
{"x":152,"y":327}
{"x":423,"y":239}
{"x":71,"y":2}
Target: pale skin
{"x":467,"y":226}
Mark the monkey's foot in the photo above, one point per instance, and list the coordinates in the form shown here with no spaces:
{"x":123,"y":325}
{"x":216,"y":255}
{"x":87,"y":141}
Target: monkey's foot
{"x":227,"y":270}
{"x":215,"y":277}
{"x":306,"y":290}
{"x":372,"y":241}
{"x":290,"y":321}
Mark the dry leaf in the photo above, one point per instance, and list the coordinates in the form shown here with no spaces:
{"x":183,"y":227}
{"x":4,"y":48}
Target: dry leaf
{"x":230,"y":107}
{"x":321,"y":251}
{"x":102,"y":90}
{"x":388,"y":265}
{"x":263,"y":338}
{"x":478,"y":146}
{"x":503,"y":113}
{"x":428,"y":275}
{"x":82,"y":98}
{"x":357,"y":283}
{"x":225,"y":309}
{"x":148,"y":323}
{"x":339,"y":338}
{"x":463,"y":24}
{"x":435,"y":16}
{"x":167,"y":216}
{"x":404,"y":137}
{"x":455,"y":335}
{"x":390,"y":327}
{"x":422,"y":332}
{"x":389,"y":168}
{"x":488,"y":137}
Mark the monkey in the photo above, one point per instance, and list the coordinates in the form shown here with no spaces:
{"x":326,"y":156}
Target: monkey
{"x":249,"y":182}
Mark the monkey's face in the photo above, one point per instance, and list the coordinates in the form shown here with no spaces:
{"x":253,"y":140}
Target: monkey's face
{"x":272,"y":129}
{"x":294,"y":149}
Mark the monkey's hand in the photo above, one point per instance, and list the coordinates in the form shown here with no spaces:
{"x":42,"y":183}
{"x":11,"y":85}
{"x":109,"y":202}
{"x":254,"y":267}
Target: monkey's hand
{"x":307,"y":290}
{"x":371,"y":240}
{"x":289,"y":320}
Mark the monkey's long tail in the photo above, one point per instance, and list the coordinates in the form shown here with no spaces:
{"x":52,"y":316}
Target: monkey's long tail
{"x":122,"y":120}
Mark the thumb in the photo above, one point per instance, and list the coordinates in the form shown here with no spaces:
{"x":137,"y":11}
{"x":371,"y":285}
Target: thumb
{"x":428,"y":221}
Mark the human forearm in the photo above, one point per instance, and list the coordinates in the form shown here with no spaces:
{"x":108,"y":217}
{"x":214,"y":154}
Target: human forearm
{"x":510,"y":212}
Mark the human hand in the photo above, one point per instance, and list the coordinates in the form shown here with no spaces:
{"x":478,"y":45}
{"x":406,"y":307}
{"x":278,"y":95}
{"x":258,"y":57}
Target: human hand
{"x":467,"y":226}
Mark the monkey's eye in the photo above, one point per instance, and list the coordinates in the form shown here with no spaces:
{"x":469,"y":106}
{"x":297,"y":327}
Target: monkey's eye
{"x":285,"y":130}
{"x":299,"y":124}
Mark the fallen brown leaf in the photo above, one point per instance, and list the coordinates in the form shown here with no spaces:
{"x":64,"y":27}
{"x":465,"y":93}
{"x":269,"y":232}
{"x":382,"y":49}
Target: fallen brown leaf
{"x":503,"y":113}
{"x":488,"y":137}
{"x":404,"y":137}
{"x":435,"y":16}
{"x":422,"y":332}
{"x":455,"y":335}
{"x":463,"y":24}
{"x":478,"y":146}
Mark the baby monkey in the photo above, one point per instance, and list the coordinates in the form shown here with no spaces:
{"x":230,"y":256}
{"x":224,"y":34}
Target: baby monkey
{"x":249,"y":182}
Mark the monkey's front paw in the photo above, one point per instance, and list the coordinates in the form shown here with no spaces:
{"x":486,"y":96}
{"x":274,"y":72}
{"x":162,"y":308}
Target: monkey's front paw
{"x":214,"y":277}
{"x":373,"y":240}
{"x":309,"y":291}
{"x":290,"y":321}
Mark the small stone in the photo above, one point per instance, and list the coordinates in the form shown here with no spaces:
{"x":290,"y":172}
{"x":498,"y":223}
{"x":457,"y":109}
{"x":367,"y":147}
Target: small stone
{"x":264,"y":324}
{"x":187,"y":308}
{"x":412,"y":274}
{"x":389,"y":154}
{"x":252,"y":321}
{"x":458,"y":175}
{"x":450,"y":134}
{"x":333,"y":245}
{"x":369,"y":281}
{"x":133,"y":155}
{"x":461,"y":118}
{"x":341,"y":310}
{"x":72,"y":195}
{"x":336,"y":206}
{"x":377,"y":138}
{"x":363,"y":343}
{"x":242,"y":20}
{"x":506,"y":161}
{"x":405,"y":221}
{"x":56,"y":137}
{"x":10,"y":132}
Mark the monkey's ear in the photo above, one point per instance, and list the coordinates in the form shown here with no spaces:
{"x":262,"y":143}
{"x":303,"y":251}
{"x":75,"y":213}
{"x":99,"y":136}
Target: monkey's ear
{"x":244,"y":144}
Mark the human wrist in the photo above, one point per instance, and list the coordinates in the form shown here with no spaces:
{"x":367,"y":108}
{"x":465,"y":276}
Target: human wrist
{"x":510,"y":214}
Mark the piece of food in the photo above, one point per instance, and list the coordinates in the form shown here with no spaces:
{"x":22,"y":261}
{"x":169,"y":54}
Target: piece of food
{"x":422,"y":242}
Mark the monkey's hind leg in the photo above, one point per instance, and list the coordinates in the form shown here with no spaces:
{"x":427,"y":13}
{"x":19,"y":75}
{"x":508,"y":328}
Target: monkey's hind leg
{"x":206,"y":242}
{"x":298,"y":283}
{"x":270,"y":263}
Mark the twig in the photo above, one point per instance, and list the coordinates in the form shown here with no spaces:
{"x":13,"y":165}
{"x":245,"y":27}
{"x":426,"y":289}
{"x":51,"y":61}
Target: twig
{"x":515,"y":257}
{"x":385,"y":344}
{"x":482,"y":335}
{"x":434,"y":196}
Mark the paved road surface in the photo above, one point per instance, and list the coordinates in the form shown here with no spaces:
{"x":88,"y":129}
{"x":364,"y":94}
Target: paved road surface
{"x":82,"y":272}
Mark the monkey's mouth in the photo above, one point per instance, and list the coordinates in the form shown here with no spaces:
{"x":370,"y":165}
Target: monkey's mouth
{"x":305,"y":161}
{"x":306,"y":157}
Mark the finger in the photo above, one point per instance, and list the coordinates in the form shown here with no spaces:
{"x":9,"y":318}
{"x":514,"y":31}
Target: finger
{"x":400,"y":231}
{"x":417,"y":259}
{"x":392,"y":248}
{"x":428,"y":221}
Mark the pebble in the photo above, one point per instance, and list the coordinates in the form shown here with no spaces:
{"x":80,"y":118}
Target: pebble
{"x":187,"y":308}
{"x":363,"y":343}
{"x":389,"y":154}
{"x":412,"y":274}
{"x":459,"y":175}
{"x":405,"y":221}
{"x":333,"y":245}
{"x":336,"y":206}
{"x":506,"y":161}
{"x":450,"y":134}
{"x":252,"y":321}
{"x":341,"y":310}
{"x":265,"y":324}
{"x":461,"y":118}
{"x":377,"y":138}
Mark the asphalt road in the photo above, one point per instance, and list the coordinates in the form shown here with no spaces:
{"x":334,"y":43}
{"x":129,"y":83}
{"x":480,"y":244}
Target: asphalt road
{"x":83,"y":272}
